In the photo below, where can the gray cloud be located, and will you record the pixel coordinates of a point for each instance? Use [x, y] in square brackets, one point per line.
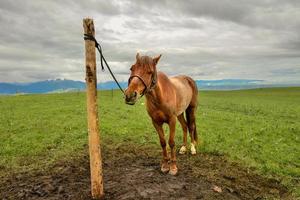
[205, 39]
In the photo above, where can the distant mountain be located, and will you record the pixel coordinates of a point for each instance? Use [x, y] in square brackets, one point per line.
[41, 86]
[63, 85]
[228, 84]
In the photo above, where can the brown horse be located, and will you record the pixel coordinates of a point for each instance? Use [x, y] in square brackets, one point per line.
[166, 100]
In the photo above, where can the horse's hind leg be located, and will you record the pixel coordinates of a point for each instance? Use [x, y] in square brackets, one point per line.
[184, 129]
[191, 121]
[191, 115]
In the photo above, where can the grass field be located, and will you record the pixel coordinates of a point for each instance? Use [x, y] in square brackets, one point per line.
[259, 128]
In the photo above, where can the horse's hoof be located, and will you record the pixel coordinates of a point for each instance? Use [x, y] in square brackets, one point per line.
[173, 171]
[173, 168]
[165, 167]
[193, 149]
[182, 150]
[164, 170]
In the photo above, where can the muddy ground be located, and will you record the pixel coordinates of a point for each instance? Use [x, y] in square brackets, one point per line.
[132, 172]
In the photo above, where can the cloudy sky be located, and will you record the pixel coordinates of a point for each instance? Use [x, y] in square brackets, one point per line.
[213, 39]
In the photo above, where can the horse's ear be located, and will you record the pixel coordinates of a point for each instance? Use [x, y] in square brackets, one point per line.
[137, 56]
[156, 59]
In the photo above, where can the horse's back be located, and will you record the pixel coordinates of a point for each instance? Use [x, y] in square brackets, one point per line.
[185, 92]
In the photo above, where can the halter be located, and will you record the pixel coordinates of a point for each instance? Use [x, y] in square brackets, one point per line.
[147, 88]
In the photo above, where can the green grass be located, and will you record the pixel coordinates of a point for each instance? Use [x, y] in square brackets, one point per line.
[259, 128]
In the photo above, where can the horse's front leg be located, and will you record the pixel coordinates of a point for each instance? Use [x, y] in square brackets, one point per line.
[172, 126]
[164, 164]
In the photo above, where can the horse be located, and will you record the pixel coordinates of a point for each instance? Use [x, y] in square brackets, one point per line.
[166, 99]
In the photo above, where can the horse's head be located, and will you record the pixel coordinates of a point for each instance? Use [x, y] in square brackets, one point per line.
[142, 79]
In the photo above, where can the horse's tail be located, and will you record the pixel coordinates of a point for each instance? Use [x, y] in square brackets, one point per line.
[191, 122]
[195, 134]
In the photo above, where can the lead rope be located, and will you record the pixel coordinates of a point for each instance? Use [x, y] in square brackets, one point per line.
[102, 59]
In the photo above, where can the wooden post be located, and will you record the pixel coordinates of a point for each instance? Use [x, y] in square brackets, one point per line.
[92, 112]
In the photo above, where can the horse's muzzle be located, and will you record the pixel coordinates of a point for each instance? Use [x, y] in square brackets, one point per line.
[131, 98]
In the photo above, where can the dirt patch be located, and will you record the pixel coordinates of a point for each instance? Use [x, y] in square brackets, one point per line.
[132, 172]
